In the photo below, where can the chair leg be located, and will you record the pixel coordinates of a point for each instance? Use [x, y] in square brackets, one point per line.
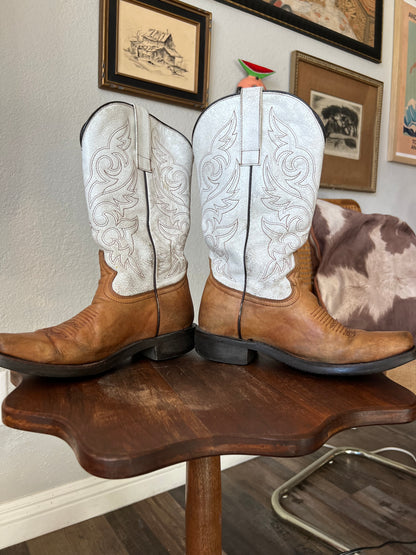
[282, 492]
[203, 506]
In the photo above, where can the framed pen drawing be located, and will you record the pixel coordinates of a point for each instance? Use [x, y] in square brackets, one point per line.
[155, 48]
[349, 105]
[353, 25]
[402, 123]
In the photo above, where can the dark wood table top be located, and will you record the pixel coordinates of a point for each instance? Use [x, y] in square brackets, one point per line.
[148, 415]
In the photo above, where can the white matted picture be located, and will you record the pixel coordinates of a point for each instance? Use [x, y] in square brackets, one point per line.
[349, 105]
[342, 123]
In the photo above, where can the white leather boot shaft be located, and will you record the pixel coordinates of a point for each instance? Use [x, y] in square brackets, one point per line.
[137, 184]
[258, 157]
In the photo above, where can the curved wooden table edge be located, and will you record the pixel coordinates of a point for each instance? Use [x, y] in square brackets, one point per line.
[119, 467]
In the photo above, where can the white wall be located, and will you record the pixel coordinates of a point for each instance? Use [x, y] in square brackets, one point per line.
[48, 88]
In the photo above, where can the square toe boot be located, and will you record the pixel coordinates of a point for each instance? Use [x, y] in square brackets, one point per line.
[258, 156]
[137, 184]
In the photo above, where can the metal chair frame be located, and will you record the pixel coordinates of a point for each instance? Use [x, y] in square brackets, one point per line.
[284, 490]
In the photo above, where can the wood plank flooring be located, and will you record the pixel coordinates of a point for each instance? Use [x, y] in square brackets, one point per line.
[357, 501]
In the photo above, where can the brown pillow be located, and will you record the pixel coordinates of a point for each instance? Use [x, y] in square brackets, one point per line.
[366, 275]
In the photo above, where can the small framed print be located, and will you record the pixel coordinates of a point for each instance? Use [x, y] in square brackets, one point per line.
[155, 48]
[349, 105]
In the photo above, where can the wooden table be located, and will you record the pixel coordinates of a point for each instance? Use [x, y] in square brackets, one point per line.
[149, 415]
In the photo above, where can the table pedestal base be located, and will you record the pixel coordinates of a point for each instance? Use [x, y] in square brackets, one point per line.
[203, 506]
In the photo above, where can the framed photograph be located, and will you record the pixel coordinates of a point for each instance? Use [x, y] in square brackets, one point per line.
[353, 25]
[402, 124]
[159, 49]
[349, 105]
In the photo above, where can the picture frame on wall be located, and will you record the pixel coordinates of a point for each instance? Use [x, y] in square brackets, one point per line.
[352, 25]
[159, 50]
[402, 123]
[349, 105]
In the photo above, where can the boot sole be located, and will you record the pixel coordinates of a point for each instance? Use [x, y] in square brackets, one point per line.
[162, 347]
[241, 352]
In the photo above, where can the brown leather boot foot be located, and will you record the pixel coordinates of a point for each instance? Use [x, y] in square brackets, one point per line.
[164, 347]
[242, 352]
[296, 331]
[106, 333]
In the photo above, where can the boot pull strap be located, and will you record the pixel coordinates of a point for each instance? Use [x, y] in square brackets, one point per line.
[251, 116]
[143, 139]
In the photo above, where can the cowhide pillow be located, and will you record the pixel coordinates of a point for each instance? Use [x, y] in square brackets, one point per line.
[366, 275]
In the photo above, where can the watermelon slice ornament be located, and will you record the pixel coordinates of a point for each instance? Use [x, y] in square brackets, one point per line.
[255, 74]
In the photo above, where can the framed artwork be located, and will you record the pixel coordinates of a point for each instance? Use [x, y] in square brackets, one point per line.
[353, 25]
[402, 124]
[349, 105]
[159, 49]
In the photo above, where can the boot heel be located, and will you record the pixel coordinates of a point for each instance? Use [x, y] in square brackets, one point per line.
[223, 349]
[171, 345]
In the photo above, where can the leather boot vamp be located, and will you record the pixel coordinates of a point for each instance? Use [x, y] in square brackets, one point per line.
[110, 323]
[98, 331]
[298, 325]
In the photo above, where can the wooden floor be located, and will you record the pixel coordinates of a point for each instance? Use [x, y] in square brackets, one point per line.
[358, 501]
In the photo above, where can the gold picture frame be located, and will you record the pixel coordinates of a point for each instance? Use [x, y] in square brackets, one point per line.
[402, 123]
[349, 105]
[158, 50]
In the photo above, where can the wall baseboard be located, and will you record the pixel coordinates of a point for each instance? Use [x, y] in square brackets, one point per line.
[29, 517]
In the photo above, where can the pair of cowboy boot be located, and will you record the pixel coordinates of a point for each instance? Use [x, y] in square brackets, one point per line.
[258, 157]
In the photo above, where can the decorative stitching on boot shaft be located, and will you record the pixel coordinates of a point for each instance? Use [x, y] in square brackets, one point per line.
[219, 176]
[137, 237]
[111, 195]
[289, 198]
[284, 189]
[170, 195]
